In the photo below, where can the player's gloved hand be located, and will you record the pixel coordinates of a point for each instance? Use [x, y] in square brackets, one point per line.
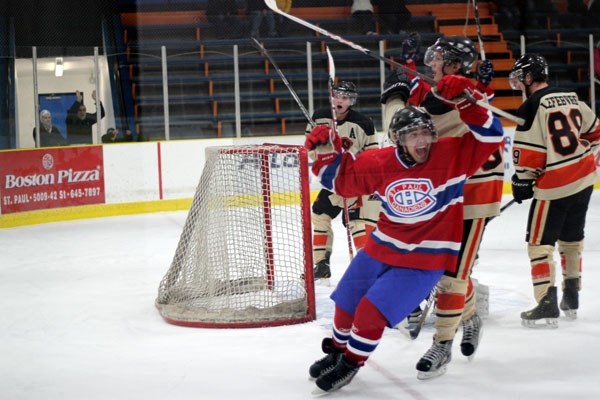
[319, 137]
[485, 72]
[410, 47]
[319, 141]
[451, 86]
[397, 84]
[522, 189]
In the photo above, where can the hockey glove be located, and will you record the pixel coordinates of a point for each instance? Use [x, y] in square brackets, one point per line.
[451, 86]
[485, 72]
[522, 189]
[319, 141]
[410, 47]
[396, 84]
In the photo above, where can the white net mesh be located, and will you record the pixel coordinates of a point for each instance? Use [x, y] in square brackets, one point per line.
[245, 247]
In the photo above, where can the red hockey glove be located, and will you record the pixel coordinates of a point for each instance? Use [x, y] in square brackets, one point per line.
[319, 136]
[451, 86]
[319, 141]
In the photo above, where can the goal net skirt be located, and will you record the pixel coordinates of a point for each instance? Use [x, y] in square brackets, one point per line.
[244, 258]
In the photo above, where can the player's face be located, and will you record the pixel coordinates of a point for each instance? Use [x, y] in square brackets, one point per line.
[418, 143]
[342, 104]
[436, 63]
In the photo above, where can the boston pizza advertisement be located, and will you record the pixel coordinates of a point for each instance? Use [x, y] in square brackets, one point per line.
[50, 178]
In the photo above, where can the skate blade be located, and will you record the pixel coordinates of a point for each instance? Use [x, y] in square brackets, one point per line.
[425, 375]
[570, 314]
[544, 323]
[472, 356]
[318, 392]
[323, 282]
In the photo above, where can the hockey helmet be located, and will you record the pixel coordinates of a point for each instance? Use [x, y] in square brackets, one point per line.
[407, 120]
[346, 88]
[533, 64]
[454, 49]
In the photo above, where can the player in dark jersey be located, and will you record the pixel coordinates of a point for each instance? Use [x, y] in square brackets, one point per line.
[420, 185]
[554, 164]
[359, 132]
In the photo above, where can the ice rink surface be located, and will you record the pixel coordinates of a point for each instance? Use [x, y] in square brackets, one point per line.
[78, 322]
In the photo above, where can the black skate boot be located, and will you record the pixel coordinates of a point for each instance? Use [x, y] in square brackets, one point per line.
[322, 270]
[328, 362]
[339, 376]
[434, 362]
[546, 312]
[472, 329]
[570, 300]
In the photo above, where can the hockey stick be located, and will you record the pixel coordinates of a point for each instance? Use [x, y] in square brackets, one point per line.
[273, 6]
[330, 84]
[414, 331]
[260, 47]
[504, 207]
[478, 23]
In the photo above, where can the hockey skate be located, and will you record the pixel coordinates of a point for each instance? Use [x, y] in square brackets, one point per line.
[326, 363]
[339, 376]
[434, 362]
[472, 332]
[570, 300]
[545, 314]
[322, 270]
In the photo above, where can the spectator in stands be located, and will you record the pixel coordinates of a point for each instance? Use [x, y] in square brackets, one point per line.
[223, 17]
[111, 136]
[79, 121]
[393, 16]
[258, 11]
[283, 24]
[592, 18]
[49, 134]
[509, 13]
[363, 17]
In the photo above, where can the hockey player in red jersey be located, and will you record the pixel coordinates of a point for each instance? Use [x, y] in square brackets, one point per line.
[455, 305]
[554, 164]
[420, 185]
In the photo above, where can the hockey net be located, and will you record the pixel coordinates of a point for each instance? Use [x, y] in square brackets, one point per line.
[244, 258]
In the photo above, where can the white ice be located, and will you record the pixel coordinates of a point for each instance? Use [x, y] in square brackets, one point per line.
[78, 322]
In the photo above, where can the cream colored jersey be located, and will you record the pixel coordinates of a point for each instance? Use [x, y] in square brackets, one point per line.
[555, 145]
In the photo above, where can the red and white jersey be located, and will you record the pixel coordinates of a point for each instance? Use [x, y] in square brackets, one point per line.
[555, 145]
[420, 223]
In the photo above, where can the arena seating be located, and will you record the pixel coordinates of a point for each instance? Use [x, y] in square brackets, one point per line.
[200, 65]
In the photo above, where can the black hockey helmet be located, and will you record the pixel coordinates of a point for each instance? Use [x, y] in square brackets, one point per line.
[346, 88]
[407, 120]
[533, 64]
[454, 49]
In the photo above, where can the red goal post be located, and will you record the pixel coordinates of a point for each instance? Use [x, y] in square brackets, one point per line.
[244, 258]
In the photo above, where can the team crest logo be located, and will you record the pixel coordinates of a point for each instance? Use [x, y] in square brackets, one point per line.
[410, 197]
[47, 161]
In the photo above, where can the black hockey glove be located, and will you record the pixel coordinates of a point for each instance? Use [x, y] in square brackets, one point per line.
[396, 84]
[410, 47]
[485, 72]
[522, 189]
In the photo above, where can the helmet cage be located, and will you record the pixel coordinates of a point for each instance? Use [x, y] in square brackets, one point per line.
[346, 88]
[454, 49]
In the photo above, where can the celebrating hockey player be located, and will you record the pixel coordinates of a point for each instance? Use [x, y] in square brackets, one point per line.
[455, 56]
[420, 185]
[359, 133]
[554, 163]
